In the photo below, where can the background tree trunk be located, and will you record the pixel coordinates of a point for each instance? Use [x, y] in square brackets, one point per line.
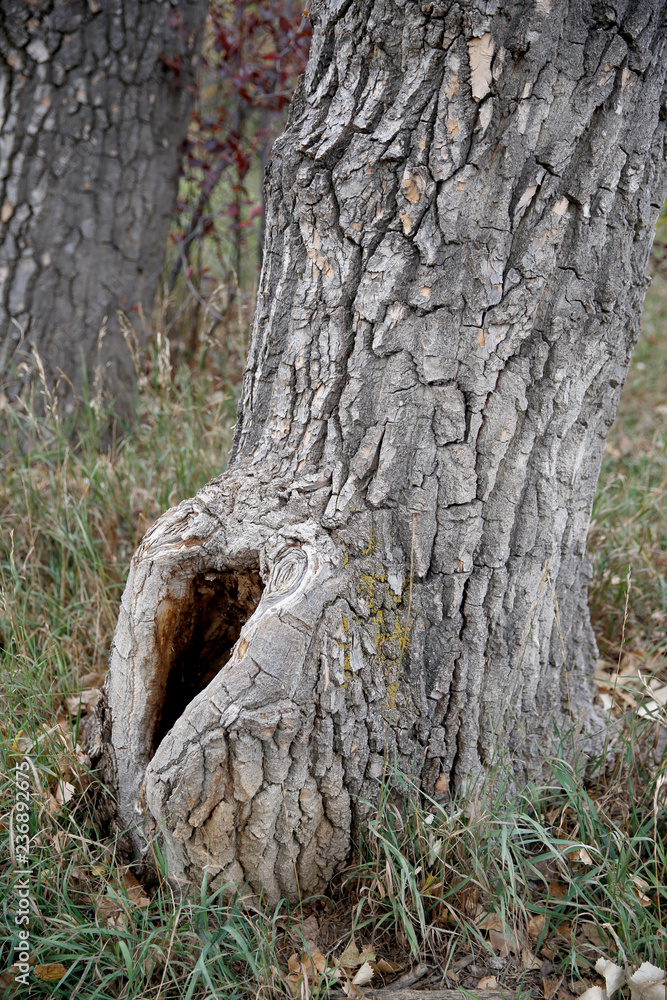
[92, 120]
[459, 218]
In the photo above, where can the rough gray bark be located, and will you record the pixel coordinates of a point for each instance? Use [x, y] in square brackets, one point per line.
[459, 218]
[91, 126]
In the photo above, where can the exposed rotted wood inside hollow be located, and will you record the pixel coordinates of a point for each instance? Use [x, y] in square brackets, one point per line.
[195, 637]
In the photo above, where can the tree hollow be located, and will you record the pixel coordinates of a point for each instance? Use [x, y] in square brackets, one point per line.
[195, 637]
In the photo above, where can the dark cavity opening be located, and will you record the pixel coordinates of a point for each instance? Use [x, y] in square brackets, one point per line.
[196, 635]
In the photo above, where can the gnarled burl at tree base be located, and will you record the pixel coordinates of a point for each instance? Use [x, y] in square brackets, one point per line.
[393, 566]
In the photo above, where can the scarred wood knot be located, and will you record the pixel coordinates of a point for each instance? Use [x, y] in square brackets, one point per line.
[287, 575]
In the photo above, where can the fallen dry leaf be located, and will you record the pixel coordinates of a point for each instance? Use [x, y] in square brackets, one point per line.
[293, 983]
[593, 993]
[109, 910]
[315, 964]
[565, 929]
[487, 983]
[501, 942]
[385, 967]
[579, 854]
[364, 974]
[638, 886]
[94, 679]
[501, 938]
[308, 971]
[65, 792]
[351, 990]
[309, 929]
[50, 973]
[63, 723]
[8, 980]
[536, 925]
[660, 695]
[550, 986]
[593, 933]
[528, 960]
[135, 890]
[590, 992]
[647, 983]
[87, 699]
[548, 867]
[613, 975]
[352, 958]
[52, 804]
[490, 922]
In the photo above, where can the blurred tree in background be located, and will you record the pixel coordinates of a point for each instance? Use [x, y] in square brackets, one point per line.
[97, 103]
[96, 99]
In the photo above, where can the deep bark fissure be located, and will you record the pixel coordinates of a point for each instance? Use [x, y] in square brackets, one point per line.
[452, 283]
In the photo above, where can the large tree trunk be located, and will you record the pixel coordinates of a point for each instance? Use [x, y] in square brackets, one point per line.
[92, 121]
[459, 218]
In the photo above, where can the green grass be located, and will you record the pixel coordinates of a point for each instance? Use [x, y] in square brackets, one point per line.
[427, 883]
[450, 867]
[424, 879]
[629, 528]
